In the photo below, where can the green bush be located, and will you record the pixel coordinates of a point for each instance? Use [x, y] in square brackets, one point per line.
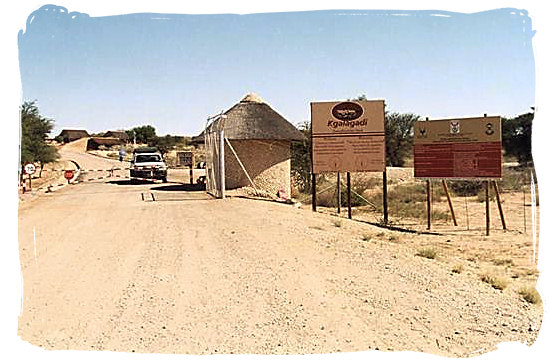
[466, 188]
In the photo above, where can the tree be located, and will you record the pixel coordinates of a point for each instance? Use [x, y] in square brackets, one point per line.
[516, 137]
[399, 137]
[131, 134]
[34, 130]
[301, 159]
[144, 134]
[163, 143]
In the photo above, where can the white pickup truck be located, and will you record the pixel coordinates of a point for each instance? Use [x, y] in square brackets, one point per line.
[147, 163]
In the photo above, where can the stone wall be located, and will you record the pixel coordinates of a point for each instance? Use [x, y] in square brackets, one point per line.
[267, 162]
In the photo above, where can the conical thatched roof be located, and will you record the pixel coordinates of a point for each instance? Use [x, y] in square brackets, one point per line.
[253, 118]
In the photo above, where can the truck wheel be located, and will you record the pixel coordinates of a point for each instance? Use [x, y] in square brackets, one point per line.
[164, 180]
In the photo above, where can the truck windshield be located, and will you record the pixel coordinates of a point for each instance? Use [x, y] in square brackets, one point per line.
[144, 158]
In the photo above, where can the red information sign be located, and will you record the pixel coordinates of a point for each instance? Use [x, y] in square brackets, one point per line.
[458, 148]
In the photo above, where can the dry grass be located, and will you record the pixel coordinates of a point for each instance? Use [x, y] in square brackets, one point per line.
[457, 268]
[319, 228]
[503, 262]
[427, 252]
[366, 237]
[494, 281]
[530, 295]
[393, 238]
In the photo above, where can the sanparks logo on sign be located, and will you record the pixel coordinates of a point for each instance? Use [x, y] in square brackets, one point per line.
[347, 115]
[347, 111]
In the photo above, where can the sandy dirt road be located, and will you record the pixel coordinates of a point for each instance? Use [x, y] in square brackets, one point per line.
[106, 267]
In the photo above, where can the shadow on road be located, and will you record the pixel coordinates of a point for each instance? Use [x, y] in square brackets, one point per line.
[180, 188]
[130, 182]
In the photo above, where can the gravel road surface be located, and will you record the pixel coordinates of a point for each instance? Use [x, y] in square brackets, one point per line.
[150, 267]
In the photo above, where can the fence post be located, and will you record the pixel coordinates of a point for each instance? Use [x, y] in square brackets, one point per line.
[221, 160]
[385, 195]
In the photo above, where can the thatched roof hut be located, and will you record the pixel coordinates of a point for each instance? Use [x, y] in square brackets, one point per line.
[253, 118]
[95, 142]
[261, 139]
[68, 135]
[120, 134]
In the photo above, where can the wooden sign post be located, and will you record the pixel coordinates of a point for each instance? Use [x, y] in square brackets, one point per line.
[385, 195]
[428, 204]
[497, 195]
[349, 193]
[487, 218]
[444, 183]
[313, 192]
[338, 192]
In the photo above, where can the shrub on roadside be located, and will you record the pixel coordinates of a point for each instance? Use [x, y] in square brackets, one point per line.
[409, 201]
[427, 252]
[366, 237]
[530, 295]
[466, 188]
[457, 268]
[503, 262]
[493, 281]
[514, 179]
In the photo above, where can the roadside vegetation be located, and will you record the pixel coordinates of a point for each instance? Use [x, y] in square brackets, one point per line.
[494, 281]
[530, 295]
[427, 252]
[408, 201]
[146, 135]
[457, 268]
[35, 129]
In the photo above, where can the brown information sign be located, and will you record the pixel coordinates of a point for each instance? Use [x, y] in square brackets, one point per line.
[348, 136]
[186, 159]
[458, 148]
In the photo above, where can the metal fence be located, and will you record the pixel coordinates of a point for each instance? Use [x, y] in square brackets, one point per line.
[407, 204]
[214, 149]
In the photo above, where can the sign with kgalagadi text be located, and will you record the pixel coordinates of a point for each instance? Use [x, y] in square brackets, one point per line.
[348, 136]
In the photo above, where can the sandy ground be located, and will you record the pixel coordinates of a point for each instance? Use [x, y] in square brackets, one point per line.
[147, 267]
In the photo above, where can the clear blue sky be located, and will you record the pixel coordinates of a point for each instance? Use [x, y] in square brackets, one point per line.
[172, 71]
